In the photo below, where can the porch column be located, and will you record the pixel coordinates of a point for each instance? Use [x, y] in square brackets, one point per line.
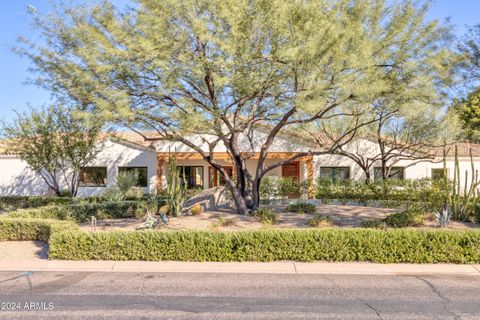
[309, 163]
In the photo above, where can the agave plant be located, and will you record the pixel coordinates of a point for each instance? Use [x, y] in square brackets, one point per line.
[444, 216]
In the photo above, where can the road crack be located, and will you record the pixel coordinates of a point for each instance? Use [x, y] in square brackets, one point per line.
[445, 301]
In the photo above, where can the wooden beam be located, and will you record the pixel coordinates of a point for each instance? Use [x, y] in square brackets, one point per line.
[225, 156]
[310, 174]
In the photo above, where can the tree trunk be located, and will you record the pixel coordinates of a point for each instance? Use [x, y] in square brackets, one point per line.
[256, 194]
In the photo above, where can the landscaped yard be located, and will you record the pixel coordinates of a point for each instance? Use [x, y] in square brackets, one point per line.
[342, 216]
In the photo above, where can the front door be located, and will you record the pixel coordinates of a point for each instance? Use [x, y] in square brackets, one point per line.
[215, 179]
[291, 170]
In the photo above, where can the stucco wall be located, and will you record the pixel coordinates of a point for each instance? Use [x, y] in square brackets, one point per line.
[17, 179]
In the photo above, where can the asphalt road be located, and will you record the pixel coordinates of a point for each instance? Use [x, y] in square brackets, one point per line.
[85, 295]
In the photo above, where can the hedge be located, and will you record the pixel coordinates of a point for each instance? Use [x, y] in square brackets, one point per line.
[49, 212]
[391, 246]
[22, 202]
[107, 210]
[32, 229]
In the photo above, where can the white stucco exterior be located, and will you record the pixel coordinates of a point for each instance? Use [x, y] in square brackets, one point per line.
[17, 179]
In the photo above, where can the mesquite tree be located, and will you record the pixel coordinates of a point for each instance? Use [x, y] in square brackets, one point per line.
[217, 69]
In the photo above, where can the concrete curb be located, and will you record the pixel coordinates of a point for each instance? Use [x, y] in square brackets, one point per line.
[283, 267]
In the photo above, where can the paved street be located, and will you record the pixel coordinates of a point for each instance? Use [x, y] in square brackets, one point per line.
[86, 295]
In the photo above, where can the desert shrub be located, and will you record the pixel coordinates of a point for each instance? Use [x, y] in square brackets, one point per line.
[320, 221]
[373, 223]
[23, 202]
[222, 222]
[301, 208]
[134, 193]
[408, 218]
[279, 187]
[113, 194]
[196, 210]
[380, 246]
[418, 190]
[108, 210]
[265, 216]
[18, 229]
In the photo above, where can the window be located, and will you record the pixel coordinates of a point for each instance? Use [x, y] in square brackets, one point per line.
[335, 173]
[93, 177]
[437, 174]
[140, 172]
[395, 173]
[193, 176]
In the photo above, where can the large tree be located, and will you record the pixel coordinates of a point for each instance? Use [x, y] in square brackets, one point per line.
[216, 69]
[55, 143]
[400, 132]
[468, 112]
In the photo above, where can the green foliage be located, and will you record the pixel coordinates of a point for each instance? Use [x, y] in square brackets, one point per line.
[301, 208]
[125, 188]
[391, 246]
[468, 110]
[22, 202]
[55, 143]
[108, 210]
[15, 229]
[265, 216]
[409, 218]
[320, 221]
[203, 66]
[50, 212]
[176, 188]
[374, 223]
[418, 190]
[279, 188]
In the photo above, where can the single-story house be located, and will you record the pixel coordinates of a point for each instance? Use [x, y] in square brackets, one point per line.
[124, 151]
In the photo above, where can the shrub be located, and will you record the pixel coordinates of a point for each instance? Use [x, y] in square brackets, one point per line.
[320, 221]
[373, 223]
[265, 216]
[50, 212]
[418, 190]
[222, 222]
[134, 193]
[113, 194]
[405, 219]
[21, 202]
[108, 210]
[279, 187]
[15, 229]
[381, 246]
[196, 210]
[301, 208]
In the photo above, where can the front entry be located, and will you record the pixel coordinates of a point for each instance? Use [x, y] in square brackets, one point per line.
[291, 170]
[215, 179]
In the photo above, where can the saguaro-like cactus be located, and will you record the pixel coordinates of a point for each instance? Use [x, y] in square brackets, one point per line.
[463, 201]
[176, 190]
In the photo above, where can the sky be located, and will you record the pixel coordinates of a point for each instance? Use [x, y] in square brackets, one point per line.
[15, 94]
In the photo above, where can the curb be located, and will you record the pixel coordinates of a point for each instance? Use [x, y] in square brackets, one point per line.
[284, 267]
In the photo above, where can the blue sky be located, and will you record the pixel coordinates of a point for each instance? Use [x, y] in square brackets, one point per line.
[15, 95]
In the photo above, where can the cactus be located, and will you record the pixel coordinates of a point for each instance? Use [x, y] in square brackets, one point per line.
[461, 201]
[176, 190]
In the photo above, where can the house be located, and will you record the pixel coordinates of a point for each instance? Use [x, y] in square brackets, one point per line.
[128, 151]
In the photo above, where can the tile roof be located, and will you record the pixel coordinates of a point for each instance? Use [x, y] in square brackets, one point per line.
[463, 150]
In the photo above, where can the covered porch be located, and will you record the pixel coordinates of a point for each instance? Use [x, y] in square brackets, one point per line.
[200, 174]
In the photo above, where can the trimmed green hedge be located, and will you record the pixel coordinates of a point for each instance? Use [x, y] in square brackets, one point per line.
[391, 246]
[49, 212]
[32, 229]
[22, 202]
